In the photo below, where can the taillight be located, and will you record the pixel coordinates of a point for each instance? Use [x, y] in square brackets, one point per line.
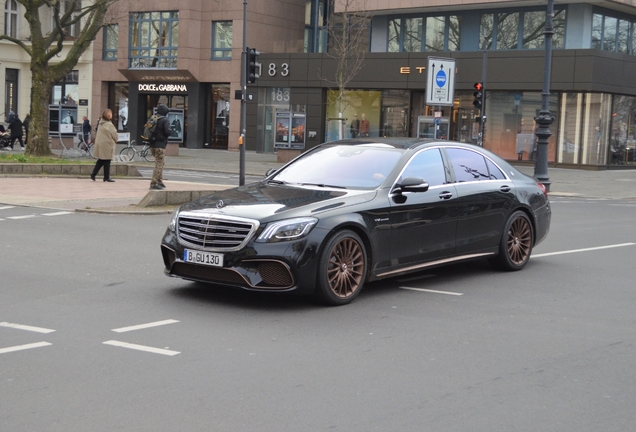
[543, 189]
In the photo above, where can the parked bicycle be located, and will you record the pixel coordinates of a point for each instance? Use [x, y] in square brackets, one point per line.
[130, 151]
[85, 149]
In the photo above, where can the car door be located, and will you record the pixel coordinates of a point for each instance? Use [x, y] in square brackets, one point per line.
[485, 197]
[423, 224]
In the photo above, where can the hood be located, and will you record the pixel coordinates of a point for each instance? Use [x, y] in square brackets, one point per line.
[162, 110]
[264, 201]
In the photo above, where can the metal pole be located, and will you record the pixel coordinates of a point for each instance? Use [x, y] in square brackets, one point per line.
[482, 110]
[545, 119]
[243, 99]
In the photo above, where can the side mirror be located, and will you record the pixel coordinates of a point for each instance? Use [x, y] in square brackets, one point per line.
[411, 184]
[270, 172]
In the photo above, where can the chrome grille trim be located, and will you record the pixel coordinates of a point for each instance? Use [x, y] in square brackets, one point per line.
[214, 232]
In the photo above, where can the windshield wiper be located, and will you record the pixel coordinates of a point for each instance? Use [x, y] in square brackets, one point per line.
[323, 185]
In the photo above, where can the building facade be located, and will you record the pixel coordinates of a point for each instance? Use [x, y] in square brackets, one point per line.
[74, 91]
[187, 55]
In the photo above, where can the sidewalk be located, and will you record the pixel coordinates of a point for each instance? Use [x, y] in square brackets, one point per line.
[82, 194]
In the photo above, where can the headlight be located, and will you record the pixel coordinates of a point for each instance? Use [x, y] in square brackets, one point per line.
[290, 229]
[172, 226]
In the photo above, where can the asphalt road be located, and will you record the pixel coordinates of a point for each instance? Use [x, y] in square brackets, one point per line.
[93, 337]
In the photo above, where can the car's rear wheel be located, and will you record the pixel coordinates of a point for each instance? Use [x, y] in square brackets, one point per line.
[515, 246]
[341, 269]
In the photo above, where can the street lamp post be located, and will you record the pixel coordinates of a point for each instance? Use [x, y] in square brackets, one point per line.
[243, 126]
[545, 119]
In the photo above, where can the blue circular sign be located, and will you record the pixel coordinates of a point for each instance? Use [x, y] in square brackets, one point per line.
[440, 78]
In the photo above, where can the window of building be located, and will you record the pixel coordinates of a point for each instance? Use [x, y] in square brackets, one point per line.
[432, 33]
[154, 40]
[520, 30]
[11, 18]
[613, 33]
[222, 40]
[66, 92]
[71, 23]
[316, 25]
[111, 40]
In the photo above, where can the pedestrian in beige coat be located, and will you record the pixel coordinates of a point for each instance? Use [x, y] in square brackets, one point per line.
[105, 142]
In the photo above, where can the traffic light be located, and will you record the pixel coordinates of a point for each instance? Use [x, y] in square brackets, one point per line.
[478, 94]
[253, 67]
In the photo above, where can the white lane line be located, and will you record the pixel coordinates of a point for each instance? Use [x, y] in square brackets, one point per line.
[582, 250]
[24, 347]
[57, 213]
[431, 291]
[144, 326]
[22, 217]
[6, 207]
[26, 327]
[142, 348]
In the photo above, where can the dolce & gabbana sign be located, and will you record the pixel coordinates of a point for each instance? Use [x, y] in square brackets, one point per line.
[163, 88]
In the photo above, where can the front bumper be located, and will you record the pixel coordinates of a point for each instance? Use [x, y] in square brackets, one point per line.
[274, 267]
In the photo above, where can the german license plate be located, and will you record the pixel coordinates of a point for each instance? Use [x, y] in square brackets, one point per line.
[205, 258]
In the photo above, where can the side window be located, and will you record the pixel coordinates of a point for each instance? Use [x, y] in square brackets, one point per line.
[495, 173]
[468, 165]
[427, 165]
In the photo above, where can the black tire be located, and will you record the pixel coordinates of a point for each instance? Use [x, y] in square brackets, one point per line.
[516, 243]
[341, 269]
[148, 155]
[128, 151]
[91, 147]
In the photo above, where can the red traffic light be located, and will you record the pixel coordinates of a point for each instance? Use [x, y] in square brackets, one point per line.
[479, 86]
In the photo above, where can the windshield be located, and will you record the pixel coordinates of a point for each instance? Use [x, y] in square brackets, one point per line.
[342, 166]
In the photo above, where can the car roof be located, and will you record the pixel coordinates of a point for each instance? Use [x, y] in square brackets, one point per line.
[402, 143]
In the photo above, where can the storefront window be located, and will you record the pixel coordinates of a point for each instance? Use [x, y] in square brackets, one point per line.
[118, 101]
[66, 92]
[395, 113]
[220, 113]
[570, 139]
[510, 129]
[360, 111]
[597, 114]
[623, 135]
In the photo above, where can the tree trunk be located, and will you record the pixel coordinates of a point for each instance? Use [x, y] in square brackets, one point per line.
[38, 144]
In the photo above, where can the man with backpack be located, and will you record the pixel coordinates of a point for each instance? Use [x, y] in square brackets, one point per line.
[158, 139]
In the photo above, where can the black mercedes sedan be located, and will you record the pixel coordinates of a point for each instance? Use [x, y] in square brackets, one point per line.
[359, 210]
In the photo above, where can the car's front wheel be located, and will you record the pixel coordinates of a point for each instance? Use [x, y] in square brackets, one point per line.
[341, 269]
[515, 246]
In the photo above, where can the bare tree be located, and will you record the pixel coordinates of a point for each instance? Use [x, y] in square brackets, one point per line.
[348, 31]
[88, 17]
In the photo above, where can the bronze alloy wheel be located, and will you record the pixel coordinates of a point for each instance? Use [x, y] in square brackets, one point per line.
[519, 240]
[342, 268]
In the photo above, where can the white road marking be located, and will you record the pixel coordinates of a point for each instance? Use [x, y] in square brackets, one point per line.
[144, 326]
[431, 291]
[582, 250]
[26, 327]
[142, 348]
[57, 213]
[24, 347]
[6, 207]
[22, 217]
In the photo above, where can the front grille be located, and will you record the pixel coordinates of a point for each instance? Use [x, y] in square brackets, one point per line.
[214, 232]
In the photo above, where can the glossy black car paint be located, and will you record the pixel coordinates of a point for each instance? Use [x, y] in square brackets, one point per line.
[452, 221]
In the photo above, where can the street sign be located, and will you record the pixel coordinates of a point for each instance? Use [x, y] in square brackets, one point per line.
[440, 81]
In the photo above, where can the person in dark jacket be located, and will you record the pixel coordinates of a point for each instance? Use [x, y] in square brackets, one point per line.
[16, 131]
[158, 146]
[25, 123]
[86, 130]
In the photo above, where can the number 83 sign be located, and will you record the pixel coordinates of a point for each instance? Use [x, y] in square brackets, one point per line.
[273, 69]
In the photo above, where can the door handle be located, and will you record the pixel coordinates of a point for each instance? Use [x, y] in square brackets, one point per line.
[505, 189]
[445, 195]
